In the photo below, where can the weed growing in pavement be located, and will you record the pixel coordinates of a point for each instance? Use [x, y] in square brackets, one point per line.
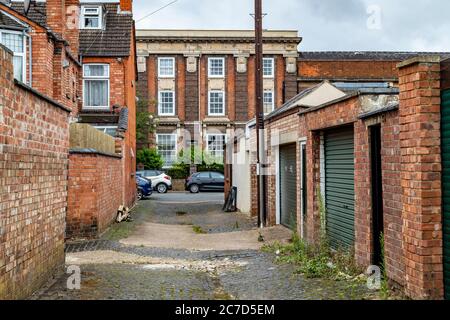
[318, 260]
[198, 230]
[384, 290]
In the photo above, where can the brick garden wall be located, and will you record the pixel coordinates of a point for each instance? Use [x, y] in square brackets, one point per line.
[95, 193]
[421, 175]
[34, 144]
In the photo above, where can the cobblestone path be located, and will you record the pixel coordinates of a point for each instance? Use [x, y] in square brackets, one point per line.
[112, 269]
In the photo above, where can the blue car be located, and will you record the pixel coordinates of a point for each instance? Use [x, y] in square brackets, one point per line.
[144, 188]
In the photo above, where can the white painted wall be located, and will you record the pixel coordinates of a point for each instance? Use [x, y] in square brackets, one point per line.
[241, 176]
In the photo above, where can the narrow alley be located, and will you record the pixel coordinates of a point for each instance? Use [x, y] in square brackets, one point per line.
[182, 246]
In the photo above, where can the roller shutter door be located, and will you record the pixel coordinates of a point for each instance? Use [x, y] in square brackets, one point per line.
[446, 186]
[340, 187]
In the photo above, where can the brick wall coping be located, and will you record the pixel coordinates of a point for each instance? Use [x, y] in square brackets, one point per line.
[421, 59]
[370, 114]
[366, 91]
[344, 98]
[94, 152]
[42, 96]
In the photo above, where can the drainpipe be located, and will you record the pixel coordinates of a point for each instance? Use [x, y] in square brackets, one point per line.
[30, 55]
[199, 66]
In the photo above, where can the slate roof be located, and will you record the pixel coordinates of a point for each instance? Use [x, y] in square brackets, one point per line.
[114, 40]
[290, 104]
[366, 55]
[5, 20]
[37, 11]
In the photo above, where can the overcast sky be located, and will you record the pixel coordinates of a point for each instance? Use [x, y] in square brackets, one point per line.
[409, 25]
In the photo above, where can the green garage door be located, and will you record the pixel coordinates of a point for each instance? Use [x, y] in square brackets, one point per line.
[340, 187]
[288, 186]
[446, 186]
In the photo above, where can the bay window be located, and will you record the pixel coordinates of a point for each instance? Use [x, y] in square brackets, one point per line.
[96, 86]
[15, 41]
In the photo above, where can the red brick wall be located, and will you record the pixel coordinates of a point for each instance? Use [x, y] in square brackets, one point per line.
[347, 69]
[123, 93]
[34, 143]
[95, 194]
[421, 174]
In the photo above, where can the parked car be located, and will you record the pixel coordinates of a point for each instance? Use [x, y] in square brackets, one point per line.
[161, 182]
[144, 188]
[205, 181]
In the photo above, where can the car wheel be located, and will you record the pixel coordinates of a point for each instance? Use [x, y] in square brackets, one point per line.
[194, 188]
[139, 195]
[161, 188]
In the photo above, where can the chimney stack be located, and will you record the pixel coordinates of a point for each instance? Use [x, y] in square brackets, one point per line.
[126, 5]
[72, 15]
[56, 16]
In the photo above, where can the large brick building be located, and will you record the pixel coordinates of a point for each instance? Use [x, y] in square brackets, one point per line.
[200, 84]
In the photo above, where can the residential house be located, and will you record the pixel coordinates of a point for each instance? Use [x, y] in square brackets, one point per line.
[200, 83]
[108, 81]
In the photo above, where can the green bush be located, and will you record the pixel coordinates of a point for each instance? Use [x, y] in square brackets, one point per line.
[179, 171]
[150, 158]
[217, 167]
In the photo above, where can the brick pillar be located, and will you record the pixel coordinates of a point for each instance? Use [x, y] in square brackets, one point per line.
[421, 176]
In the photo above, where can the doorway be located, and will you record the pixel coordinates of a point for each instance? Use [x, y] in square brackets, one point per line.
[303, 187]
[377, 195]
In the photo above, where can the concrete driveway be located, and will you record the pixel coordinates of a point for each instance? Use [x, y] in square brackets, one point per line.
[187, 197]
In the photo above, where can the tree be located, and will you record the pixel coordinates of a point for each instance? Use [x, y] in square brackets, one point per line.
[150, 158]
[146, 122]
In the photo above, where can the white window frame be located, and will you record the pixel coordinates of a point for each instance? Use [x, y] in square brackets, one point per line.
[84, 14]
[272, 75]
[273, 100]
[159, 103]
[176, 145]
[216, 134]
[173, 67]
[209, 103]
[210, 59]
[97, 78]
[19, 54]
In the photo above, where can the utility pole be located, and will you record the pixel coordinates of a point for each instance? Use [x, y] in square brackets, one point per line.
[260, 141]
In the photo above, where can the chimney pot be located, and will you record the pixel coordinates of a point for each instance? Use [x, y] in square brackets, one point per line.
[126, 5]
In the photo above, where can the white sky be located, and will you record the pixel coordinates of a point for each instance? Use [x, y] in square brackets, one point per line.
[409, 25]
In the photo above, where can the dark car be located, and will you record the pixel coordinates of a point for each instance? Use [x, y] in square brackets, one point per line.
[205, 181]
[144, 188]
